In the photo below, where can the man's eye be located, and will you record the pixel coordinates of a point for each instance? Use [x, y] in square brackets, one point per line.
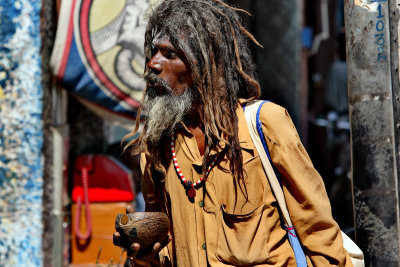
[154, 50]
[170, 55]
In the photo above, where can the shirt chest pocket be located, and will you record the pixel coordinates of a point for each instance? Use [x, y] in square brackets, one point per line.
[242, 239]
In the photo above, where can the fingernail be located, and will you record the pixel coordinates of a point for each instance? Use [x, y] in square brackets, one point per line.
[156, 246]
[133, 249]
[136, 247]
[129, 209]
[116, 237]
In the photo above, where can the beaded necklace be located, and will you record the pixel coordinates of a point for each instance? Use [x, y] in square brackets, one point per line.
[189, 186]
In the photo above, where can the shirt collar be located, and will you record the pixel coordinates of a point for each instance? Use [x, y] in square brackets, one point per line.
[243, 129]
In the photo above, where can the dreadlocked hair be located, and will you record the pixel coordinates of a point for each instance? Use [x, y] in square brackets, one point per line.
[214, 42]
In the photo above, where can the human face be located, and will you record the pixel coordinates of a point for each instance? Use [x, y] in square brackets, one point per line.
[171, 66]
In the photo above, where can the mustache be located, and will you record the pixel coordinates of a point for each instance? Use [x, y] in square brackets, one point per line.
[153, 81]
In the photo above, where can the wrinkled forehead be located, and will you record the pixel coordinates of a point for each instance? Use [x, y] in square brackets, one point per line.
[181, 41]
[178, 40]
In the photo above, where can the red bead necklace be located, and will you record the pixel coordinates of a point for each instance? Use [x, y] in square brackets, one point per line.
[190, 187]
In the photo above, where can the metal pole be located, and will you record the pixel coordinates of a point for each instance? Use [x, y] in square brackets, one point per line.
[60, 132]
[47, 32]
[373, 79]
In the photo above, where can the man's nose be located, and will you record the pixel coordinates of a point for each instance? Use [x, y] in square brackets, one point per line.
[155, 63]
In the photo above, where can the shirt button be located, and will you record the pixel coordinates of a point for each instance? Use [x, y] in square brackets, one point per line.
[201, 204]
[203, 246]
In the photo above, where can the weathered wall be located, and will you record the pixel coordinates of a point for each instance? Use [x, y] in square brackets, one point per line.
[373, 73]
[21, 141]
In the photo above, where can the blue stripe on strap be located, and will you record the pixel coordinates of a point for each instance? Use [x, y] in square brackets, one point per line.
[263, 141]
[260, 131]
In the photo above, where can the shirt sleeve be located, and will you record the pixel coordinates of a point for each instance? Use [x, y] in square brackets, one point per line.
[304, 190]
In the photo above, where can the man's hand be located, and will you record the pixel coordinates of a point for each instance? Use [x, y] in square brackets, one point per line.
[133, 249]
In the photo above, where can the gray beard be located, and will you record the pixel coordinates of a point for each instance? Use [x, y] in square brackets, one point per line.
[164, 113]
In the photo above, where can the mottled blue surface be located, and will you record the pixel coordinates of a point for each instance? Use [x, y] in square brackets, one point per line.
[21, 135]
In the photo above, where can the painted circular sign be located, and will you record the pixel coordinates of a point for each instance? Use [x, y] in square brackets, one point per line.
[110, 42]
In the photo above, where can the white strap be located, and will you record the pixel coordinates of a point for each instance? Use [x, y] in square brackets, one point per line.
[251, 118]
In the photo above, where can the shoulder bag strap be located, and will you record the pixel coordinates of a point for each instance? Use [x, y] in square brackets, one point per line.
[252, 114]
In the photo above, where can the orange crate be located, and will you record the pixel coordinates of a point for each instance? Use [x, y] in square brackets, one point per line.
[103, 220]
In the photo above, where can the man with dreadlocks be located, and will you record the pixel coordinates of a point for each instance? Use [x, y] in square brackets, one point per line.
[198, 161]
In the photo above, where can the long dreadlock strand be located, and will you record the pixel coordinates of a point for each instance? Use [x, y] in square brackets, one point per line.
[231, 7]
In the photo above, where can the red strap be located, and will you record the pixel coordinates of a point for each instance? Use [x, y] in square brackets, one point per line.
[85, 184]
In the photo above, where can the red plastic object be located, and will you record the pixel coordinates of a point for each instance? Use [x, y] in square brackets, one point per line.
[108, 180]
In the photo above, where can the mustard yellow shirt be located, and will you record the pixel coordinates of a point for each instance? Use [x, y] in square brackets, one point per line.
[220, 228]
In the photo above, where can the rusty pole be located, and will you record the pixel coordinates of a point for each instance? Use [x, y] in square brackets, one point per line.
[372, 29]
